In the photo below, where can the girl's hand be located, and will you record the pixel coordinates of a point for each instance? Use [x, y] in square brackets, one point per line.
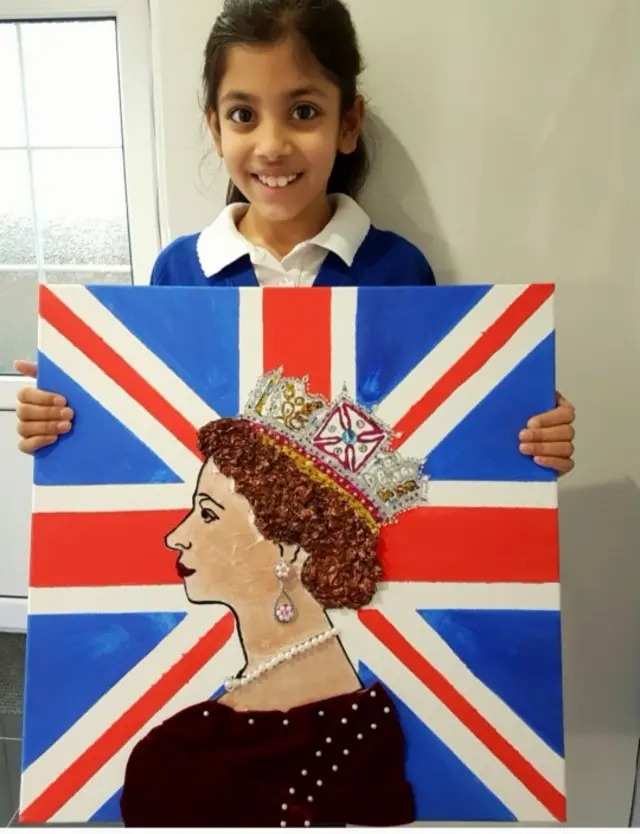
[549, 437]
[42, 416]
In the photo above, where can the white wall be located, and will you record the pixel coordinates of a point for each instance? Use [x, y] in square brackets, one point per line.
[507, 149]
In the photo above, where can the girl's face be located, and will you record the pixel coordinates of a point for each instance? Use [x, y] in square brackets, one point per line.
[278, 128]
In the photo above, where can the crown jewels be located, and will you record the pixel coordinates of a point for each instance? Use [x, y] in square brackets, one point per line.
[341, 444]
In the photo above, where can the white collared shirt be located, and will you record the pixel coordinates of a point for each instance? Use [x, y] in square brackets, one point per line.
[220, 244]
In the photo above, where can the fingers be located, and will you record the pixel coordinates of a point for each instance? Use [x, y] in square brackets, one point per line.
[42, 418]
[35, 396]
[43, 413]
[562, 415]
[561, 465]
[33, 428]
[22, 366]
[553, 434]
[547, 450]
[32, 444]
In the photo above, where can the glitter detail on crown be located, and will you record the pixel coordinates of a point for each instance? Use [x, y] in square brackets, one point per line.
[340, 443]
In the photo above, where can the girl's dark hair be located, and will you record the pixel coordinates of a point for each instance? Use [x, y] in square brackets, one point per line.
[342, 569]
[326, 28]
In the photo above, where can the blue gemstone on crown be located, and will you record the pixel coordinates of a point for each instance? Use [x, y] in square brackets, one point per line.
[349, 436]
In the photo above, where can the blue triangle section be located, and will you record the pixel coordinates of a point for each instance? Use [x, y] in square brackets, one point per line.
[98, 449]
[517, 654]
[193, 330]
[110, 811]
[73, 660]
[484, 446]
[394, 334]
[444, 788]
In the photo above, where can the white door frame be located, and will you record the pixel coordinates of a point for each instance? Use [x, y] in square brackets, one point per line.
[135, 66]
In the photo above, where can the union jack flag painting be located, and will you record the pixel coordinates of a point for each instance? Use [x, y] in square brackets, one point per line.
[464, 631]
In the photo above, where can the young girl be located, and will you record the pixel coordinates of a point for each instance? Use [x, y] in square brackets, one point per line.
[282, 106]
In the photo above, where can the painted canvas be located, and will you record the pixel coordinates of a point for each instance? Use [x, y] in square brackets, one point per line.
[290, 568]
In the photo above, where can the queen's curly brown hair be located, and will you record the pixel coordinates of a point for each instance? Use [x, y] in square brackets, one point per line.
[342, 569]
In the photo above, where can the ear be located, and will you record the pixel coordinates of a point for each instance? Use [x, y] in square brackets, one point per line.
[291, 553]
[352, 127]
[213, 123]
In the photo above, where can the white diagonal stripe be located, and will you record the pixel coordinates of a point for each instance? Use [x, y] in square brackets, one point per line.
[464, 399]
[109, 779]
[251, 342]
[114, 333]
[510, 726]
[448, 351]
[391, 596]
[123, 407]
[113, 704]
[344, 304]
[439, 596]
[98, 498]
[362, 645]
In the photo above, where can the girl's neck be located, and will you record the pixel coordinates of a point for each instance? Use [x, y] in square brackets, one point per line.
[281, 238]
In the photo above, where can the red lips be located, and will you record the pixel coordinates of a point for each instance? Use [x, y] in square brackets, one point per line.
[183, 570]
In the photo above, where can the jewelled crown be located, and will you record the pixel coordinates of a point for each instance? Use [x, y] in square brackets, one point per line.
[341, 444]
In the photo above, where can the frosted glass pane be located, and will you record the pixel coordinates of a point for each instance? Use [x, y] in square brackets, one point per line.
[71, 73]
[11, 115]
[88, 277]
[18, 318]
[16, 224]
[80, 198]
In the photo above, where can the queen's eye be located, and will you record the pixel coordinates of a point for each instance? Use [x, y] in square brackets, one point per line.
[208, 515]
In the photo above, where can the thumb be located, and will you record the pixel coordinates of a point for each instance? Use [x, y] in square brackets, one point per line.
[26, 368]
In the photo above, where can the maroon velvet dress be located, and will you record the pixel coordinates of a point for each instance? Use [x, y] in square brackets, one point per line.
[333, 763]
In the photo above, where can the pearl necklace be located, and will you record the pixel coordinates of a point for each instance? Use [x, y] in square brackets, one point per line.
[278, 659]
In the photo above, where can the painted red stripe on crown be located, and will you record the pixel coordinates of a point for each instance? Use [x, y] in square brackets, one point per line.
[65, 321]
[297, 334]
[494, 337]
[58, 793]
[431, 544]
[444, 690]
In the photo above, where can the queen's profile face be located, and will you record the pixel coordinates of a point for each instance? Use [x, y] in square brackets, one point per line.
[220, 551]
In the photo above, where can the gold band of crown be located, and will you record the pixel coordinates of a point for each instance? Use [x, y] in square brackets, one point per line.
[308, 467]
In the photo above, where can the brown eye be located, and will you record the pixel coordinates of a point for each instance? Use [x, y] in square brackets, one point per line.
[305, 112]
[241, 115]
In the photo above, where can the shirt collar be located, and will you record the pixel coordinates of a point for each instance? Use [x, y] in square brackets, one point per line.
[221, 244]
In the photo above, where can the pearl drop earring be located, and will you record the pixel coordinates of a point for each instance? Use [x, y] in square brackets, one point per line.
[284, 610]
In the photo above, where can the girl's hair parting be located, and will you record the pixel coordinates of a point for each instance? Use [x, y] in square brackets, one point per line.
[326, 28]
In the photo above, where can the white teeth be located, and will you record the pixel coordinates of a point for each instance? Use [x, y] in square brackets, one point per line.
[277, 182]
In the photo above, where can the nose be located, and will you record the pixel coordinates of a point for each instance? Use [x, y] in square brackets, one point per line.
[178, 539]
[273, 140]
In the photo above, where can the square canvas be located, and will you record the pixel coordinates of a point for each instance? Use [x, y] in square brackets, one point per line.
[289, 565]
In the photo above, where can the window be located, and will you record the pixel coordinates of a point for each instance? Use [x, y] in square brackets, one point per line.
[77, 195]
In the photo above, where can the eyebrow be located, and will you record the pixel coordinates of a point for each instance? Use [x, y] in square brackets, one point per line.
[247, 98]
[209, 498]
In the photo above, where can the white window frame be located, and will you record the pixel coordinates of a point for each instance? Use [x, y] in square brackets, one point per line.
[138, 129]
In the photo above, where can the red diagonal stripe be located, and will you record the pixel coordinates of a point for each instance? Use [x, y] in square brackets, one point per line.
[495, 337]
[66, 322]
[472, 544]
[418, 665]
[60, 791]
[297, 334]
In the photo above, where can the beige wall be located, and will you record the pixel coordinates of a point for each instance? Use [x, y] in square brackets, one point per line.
[508, 134]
